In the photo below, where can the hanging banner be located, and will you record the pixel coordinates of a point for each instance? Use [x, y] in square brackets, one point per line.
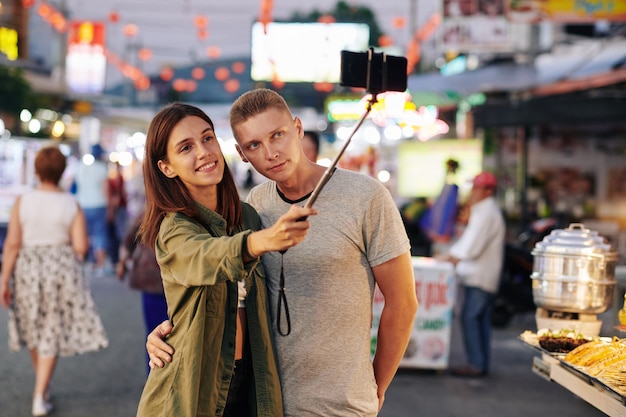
[565, 11]
[475, 25]
[85, 60]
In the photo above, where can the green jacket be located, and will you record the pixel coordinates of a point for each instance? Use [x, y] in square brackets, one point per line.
[200, 274]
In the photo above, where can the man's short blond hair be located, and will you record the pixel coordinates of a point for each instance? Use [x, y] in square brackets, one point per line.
[253, 102]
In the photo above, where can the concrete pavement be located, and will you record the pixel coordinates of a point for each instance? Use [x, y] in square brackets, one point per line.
[108, 383]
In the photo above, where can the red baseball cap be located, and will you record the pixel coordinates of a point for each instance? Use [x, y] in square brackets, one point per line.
[485, 179]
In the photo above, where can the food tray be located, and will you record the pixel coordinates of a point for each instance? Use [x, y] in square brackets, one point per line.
[533, 343]
[531, 340]
[598, 383]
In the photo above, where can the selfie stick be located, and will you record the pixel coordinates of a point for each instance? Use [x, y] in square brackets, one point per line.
[329, 171]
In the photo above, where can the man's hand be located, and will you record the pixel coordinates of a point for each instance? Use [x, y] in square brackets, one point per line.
[159, 351]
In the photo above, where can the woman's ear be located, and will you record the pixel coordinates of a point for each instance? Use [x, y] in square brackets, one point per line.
[166, 170]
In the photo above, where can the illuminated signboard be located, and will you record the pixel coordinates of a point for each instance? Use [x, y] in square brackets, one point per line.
[574, 11]
[304, 52]
[85, 61]
[421, 165]
[8, 43]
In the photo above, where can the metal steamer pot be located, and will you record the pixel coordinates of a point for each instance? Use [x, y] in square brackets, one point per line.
[574, 271]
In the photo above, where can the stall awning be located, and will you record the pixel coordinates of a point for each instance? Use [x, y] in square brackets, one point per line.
[565, 69]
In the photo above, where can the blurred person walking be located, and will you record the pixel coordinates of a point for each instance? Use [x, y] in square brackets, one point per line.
[51, 310]
[478, 257]
[117, 213]
[208, 245]
[92, 192]
[439, 220]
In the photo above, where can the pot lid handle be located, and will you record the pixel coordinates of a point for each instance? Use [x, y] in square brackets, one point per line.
[574, 226]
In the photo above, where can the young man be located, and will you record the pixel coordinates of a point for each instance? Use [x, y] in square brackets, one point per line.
[356, 242]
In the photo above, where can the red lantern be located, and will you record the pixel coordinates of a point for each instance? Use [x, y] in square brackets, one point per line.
[323, 87]
[278, 83]
[114, 17]
[179, 85]
[142, 83]
[385, 40]
[238, 67]
[200, 21]
[265, 16]
[44, 10]
[130, 30]
[399, 22]
[28, 3]
[58, 22]
[144, 54]
[198, 73]
[191, 86]
[231, 85]
[222, 74]
[167, 73]
[326, 19]
[203, 34]
[213, 52]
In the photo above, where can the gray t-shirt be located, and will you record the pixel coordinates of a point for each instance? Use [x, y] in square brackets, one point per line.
[325, 363]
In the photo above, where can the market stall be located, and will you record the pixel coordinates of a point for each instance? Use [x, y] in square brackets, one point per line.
[597, 391]
[429, 346]
[573, 281]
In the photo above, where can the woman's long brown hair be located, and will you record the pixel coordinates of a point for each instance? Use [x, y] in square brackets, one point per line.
[165, 194]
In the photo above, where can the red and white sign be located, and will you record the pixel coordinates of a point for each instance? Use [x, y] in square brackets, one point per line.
[429, 346]
[85, 61]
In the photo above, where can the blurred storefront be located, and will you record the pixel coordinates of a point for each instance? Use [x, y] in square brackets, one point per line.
[555, 131]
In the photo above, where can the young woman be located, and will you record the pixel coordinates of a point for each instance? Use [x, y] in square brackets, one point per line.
[207, 244]
[51, 310]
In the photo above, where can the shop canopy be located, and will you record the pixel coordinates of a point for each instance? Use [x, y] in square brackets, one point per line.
[583, 82]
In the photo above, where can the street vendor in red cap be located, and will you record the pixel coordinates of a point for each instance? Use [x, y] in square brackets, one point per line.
[477, 256]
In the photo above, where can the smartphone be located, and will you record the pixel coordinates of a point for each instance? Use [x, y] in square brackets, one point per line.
[375, 71]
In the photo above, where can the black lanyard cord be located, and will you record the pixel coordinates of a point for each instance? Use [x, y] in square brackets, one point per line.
[282, 299]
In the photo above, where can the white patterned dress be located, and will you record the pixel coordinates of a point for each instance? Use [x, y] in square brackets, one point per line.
[52, 310]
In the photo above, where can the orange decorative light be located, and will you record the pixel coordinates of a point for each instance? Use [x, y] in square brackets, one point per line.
[399, 22]
[238, 67]
[167, 74]
[44, 10]
[413, 53]
[265, 16]
[278, 83]
[142, 83]
[179, 85]
[203, 34]
[213, 52]
[222, 74]
[198, 73]
[326, 19]
[385, 40]
[144, 54]
[232, 85]
[324, 87]
[191, 86]
[200, 21]
[57, 20]
[130, 30]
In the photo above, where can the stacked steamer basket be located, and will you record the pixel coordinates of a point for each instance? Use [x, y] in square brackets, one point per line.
[573, 279]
